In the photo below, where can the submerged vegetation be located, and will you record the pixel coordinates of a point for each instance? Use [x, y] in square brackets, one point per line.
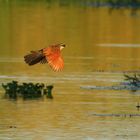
[27, 90]
[131, 82]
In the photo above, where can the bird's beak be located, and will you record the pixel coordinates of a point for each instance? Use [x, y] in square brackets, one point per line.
[62, 46]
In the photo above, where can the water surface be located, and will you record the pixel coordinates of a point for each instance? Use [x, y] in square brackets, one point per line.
[102, 44]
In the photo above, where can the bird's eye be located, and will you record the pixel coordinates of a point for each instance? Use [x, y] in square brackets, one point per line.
[62, 45]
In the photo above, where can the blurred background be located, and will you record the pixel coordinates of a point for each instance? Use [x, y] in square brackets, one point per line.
[102, 38]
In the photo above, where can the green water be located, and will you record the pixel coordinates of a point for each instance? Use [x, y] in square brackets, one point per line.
[101, 44]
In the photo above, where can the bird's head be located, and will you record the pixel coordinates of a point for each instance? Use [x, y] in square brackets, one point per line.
[59, 46]
[53, 56]
[62, 46]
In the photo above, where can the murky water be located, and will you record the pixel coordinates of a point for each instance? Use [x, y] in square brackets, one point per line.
[101, 45]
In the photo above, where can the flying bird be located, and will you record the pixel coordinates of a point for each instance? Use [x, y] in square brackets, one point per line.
[50, 55]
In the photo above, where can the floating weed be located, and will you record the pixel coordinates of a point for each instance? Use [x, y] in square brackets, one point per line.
[49, 92]
[27, 90]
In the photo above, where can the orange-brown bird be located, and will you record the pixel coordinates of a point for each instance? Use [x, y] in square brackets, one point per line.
[50, 55]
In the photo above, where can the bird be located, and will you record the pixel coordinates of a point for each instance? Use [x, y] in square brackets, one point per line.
[50, 55]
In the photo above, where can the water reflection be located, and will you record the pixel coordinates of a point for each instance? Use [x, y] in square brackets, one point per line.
[30, 26]
[36, 28]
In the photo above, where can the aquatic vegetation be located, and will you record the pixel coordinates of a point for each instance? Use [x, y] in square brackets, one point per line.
[131, 83]
[49, 93]
[27, 90]
[133, 80]
[11, 89]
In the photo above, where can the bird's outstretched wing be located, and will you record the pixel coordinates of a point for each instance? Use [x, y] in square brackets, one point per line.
[56, 64]
[54, 59]
[51, 55]
[35, 57]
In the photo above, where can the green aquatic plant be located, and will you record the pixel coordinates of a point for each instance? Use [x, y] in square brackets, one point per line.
[27, 90]
[49, 91]
[11, 89]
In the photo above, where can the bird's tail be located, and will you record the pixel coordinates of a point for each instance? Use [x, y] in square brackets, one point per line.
[33, 58]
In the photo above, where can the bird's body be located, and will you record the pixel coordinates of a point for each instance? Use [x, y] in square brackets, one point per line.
[50, 55]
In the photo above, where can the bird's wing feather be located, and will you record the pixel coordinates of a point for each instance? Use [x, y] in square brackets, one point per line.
[56, 64]
[34, 57]
[54, 60]
[43, 61]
